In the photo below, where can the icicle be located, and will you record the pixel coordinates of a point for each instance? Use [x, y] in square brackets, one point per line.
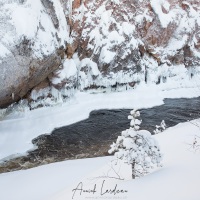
[13, 96]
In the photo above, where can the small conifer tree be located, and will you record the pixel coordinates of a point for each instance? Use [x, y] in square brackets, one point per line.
[137, 147]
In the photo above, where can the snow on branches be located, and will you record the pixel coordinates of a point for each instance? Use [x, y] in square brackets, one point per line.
[137, 147]
[160, 128]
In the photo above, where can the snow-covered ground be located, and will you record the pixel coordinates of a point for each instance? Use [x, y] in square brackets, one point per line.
[178, 179]
[19, 128]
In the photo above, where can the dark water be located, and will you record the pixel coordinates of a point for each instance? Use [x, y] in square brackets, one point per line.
[93, 136]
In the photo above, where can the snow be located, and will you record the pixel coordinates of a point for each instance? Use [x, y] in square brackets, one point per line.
[70, 67]
[43, 182]
[31, 20]
[128, 28]
[106, 56]
[22, 16]
[3, 51]
[115, 37]
[101, 40]
[69, 70]
[178, 179]
[91, 65]
[165, 19]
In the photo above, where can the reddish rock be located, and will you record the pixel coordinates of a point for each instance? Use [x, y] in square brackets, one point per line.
[76, 4]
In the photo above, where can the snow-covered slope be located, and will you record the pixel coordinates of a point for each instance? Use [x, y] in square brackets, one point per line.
[178, 179]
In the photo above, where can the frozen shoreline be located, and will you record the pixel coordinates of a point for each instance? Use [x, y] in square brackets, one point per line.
[18, 130]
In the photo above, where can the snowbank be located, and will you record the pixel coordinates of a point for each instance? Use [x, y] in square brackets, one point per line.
[178, 179]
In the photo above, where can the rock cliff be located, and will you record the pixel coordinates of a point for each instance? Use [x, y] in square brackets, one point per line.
[51, 48]
[33, 38]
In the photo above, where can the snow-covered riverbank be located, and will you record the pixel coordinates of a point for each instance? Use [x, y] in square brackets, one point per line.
[178, 179]
[19, 128]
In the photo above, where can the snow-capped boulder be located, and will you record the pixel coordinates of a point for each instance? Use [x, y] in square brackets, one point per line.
[33, 37]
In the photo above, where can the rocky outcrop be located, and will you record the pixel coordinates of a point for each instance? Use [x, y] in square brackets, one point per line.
[24, 74]
[33, 36]
[110, 43]
[134, 37]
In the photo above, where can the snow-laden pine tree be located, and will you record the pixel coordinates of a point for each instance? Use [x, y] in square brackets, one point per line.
[160, 128]
[137, 147]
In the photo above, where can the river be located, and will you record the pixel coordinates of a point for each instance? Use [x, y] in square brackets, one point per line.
[93, 136]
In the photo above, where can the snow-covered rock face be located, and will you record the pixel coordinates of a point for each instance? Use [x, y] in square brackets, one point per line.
[33, 36]
[130, 39]
[110, 43]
